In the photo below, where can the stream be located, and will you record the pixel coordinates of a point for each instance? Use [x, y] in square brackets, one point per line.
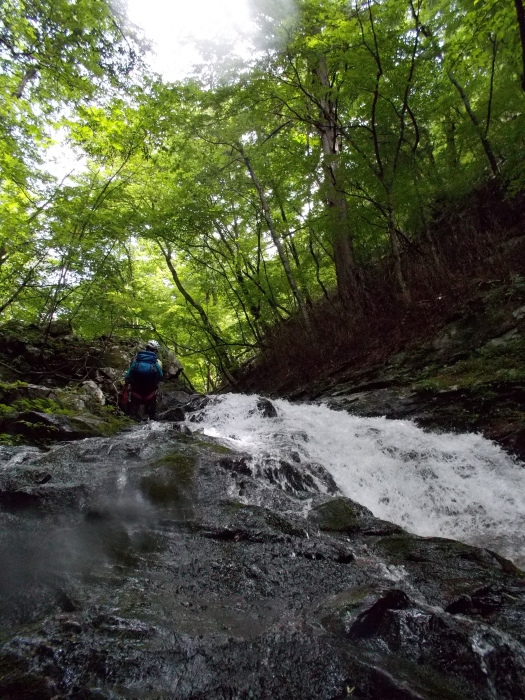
[262, 549]
[459, 486]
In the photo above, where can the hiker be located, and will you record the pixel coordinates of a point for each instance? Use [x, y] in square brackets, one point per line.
[142, 380]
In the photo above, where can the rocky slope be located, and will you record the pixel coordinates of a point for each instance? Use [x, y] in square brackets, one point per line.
[56, 386]
[159, 564]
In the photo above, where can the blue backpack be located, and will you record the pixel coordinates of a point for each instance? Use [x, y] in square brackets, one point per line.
[145, 367]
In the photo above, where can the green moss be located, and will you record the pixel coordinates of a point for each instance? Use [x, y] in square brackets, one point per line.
[6, 411]
[218, 449]
[489, 365]
[183, 465]
[10, 440]
[233, 506]
[113, 420]
[398, 548]
[171, 479]
[8, 386]
[338, 515]
[42, 405]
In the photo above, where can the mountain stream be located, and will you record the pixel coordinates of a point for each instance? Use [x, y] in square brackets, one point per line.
[459, 486]
[262, 549]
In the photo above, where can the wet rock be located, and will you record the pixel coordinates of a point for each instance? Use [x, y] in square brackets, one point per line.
[344, 515]
[484, 602]
[369, 622]
[398, 630]
[162, 581]
[174, 398]
[295, 477]
[266, 408]
[322, 550]
[237, 465]
[48, 426]
[176, 413]
[196, 402]
[390, 402]
[94, 392]
[263, 520]
[44, 497]
[169, 481]
[288, 476]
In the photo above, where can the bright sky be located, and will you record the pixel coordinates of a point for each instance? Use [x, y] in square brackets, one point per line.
[175, 25]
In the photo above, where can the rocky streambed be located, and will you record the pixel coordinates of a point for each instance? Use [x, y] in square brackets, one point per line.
[161, 563]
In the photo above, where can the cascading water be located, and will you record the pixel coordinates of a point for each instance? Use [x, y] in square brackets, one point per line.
[433, 484]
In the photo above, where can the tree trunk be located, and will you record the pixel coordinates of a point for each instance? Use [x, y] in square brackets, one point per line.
[222, 355]
[520, 12]
[276, 240]
[342, 240]
[394, 242]
[475, 121]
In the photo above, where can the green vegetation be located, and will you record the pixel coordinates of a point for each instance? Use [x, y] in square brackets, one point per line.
[11, 440]
[491, 364]
[14, 418]
[212, 211]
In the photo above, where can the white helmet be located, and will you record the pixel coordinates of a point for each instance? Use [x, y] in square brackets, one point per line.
[152, 345]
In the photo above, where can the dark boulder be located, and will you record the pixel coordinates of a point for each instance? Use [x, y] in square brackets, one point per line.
[175, 413]
[346, 516]
[37, 425]
[266, 408]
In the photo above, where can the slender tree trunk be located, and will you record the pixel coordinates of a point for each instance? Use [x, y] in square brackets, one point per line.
[452, 154]
[222, 355]
[396, 251]
[381, 171]
[276, 240]
[520, 12]
[475, 121]
[466, 102]
[25, 282]
[29, 75]
[342, 237]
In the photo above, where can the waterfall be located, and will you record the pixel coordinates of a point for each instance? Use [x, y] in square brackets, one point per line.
[459, 486]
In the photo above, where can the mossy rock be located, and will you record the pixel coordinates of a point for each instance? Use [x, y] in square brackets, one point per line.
[42, 426]
[216, 447]
[481, 370]
[447, 557]
[38, 425]
[170, 480]
[10, 391]
[340, 515]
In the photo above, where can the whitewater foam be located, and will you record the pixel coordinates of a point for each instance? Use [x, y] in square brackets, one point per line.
[461, 486]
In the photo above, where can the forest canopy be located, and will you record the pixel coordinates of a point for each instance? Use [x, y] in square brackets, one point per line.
[213, 209]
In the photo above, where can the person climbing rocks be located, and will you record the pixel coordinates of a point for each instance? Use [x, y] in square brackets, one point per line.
[142, 380]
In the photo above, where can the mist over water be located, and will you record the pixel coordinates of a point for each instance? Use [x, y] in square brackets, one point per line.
[459, 486]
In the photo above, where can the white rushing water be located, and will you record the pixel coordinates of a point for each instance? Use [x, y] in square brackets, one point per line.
[448, 485]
